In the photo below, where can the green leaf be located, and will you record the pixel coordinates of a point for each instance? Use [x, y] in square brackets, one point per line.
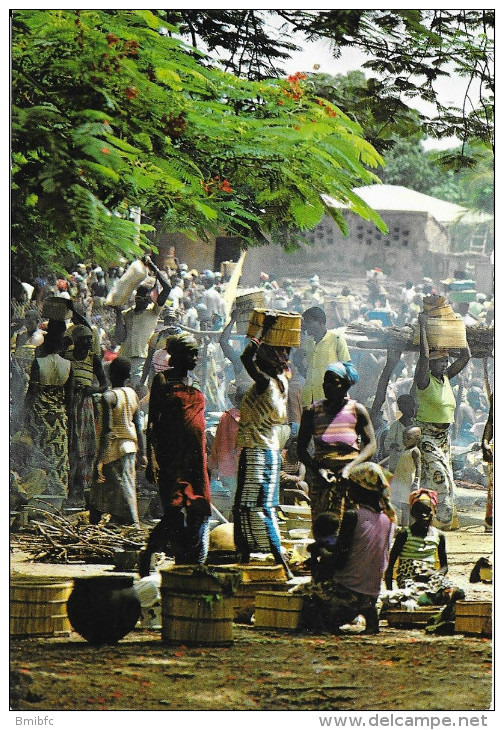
[169, 77]
[102, 171]
[208, 212]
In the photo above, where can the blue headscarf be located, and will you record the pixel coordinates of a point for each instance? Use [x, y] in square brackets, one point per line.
[345, 371]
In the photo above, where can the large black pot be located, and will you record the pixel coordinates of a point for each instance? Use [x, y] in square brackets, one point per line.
[103, 609]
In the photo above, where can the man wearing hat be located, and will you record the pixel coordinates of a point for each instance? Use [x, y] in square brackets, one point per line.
[314, 295]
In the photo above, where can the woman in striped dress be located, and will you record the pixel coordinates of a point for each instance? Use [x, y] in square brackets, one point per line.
[343, 436]
[81, 428]
[263, 412]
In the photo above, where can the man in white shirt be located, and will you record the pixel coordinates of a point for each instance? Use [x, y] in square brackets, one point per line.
[176, 292]
[134, 326]
[213, 301]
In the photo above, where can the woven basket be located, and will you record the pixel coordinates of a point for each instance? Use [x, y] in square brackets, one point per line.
[444, 311]
[286, 332]
[278, 610]
[245, 304]
[474, 618]
[38, 606]
[443, 333]
[196, 619]
[227, 268]
[56, 308]
[401, 619]
[244, 600]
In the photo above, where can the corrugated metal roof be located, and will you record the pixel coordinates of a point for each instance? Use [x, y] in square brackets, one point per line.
[397, 197]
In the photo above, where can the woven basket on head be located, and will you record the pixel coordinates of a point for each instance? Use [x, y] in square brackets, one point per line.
[245, 303]
[286, 332]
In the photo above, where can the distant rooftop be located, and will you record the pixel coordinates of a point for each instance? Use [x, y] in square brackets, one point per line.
[397, 197]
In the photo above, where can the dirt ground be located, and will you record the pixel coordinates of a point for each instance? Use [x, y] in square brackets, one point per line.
[263, 670]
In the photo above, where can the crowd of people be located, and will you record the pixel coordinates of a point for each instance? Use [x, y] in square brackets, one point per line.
[163, 390]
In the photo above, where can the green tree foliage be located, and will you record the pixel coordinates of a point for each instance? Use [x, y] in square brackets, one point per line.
[362, 99]
[111, 110]
[408, 164]
[476, 182]
[241, 38]
[410, 50]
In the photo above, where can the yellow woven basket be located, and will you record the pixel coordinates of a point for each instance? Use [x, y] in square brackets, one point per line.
[443, 333]
[38, 606]
[278, 610]
[286, 332]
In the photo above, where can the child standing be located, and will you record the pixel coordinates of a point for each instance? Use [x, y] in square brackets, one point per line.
[121, 443]
[393, 442]
[293, 487]
[224, 453]
[407, 474]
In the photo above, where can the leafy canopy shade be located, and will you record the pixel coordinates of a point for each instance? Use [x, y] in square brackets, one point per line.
[111, 110]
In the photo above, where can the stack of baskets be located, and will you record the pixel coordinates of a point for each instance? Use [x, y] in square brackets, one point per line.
[462, 290]
[444, 328]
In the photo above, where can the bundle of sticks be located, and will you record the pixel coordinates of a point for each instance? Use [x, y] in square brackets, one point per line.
[56, 539]
[480, 338]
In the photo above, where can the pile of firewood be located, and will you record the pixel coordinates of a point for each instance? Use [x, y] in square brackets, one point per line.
[57, 539]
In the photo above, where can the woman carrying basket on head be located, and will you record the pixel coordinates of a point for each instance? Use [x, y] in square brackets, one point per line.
[263, 413]
[435, 415]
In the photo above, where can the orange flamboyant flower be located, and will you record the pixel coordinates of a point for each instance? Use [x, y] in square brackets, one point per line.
[131, 92]
[105, 150]
[294, 78]
[225, 187]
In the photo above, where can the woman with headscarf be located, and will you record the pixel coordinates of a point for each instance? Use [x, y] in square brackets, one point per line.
[177, 460]
[420, 550]
[349, 556]
[343, 437]
[86, 366]
[262, 432]
[47, 405]
[435, 415]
